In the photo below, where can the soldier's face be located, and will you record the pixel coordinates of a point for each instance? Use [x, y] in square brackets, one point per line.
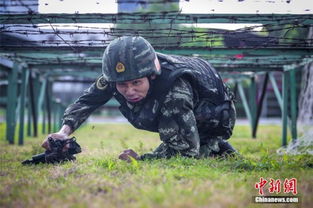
[134, 90]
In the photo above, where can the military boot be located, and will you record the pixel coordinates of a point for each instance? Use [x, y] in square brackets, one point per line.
[225, 149]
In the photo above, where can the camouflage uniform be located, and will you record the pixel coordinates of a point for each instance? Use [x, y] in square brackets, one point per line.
[188, 105]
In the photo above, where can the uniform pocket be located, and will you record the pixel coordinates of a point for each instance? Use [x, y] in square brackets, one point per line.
[215, 120]
[228, 118]
[206, 115]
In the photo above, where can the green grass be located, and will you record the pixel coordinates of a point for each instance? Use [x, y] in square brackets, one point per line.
[99, 179]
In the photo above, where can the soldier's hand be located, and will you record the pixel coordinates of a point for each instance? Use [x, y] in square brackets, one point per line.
[55, 136]
[126, 154]
[64, 132]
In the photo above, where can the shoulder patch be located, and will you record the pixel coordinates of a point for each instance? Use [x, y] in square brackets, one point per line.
[101, 83]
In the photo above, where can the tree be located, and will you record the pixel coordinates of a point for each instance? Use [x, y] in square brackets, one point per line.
[161, 35]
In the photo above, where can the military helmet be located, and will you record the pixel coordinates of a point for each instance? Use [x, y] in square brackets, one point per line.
[127, 58]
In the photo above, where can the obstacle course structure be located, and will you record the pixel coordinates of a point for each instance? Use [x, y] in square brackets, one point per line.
[31, 67]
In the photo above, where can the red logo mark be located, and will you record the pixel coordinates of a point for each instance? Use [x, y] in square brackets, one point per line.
[290, 186]
[274, 186]
[261, 185]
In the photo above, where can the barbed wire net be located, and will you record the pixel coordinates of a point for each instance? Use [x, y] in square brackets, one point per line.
[303, 144]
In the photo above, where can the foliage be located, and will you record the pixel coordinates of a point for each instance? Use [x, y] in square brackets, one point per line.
[99, 179]
[156, 34]
[293, 35]
[165, 35]
[203, 37]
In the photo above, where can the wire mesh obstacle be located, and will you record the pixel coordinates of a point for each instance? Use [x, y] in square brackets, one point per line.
[46, 47]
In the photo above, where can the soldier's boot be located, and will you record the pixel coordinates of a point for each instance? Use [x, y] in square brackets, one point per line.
[226, 149]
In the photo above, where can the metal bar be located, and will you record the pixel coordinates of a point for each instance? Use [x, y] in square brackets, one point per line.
[40, 107]
[5, 63]
[235, 68]
[37, 90]
[60, 113]
[33, 106]
[18, 104]
[293, 101]
[252, 102]
[303, 62]
[41, 96]
[236, 90]
[200, 51]
[29, 115]
[286, 79]
[225, 61]
[44, 115]
[55, 74]
[98, 51]
[276, 91]
[156, 18]
[62, 67]
[260, 105]
[55, 116]
[11, 104]
[73, 81]
[49, 105]
[23, 87]
[244, 102]
[278, 94]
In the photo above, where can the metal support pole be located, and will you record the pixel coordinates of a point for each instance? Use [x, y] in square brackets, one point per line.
[49, 104]
[60, 113]
[11, 103]
[41, 97]
[285, 107]
[244, 102]
[236, 90]
[23, 87]
[37, 88]
[29, 115]
[293, 99]
[32, 105]
[253, 104]
[44, 116]
[260, 105]
[55, 115]
[276, 91]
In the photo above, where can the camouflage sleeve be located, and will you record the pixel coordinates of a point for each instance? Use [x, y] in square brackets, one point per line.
[95, 96]
[177, 124]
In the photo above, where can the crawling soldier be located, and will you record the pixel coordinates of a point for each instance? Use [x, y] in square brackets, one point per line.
[182, 98]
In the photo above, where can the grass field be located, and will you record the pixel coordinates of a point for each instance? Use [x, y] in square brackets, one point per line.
[99, 179]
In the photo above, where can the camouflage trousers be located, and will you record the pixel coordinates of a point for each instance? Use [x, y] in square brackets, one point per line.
[214, 148]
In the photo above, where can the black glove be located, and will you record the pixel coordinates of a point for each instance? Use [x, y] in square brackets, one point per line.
[60, 151]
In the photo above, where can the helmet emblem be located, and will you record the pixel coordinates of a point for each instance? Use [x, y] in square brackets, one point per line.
[120, 67]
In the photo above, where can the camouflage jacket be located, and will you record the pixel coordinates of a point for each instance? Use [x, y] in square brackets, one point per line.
[191, 112]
